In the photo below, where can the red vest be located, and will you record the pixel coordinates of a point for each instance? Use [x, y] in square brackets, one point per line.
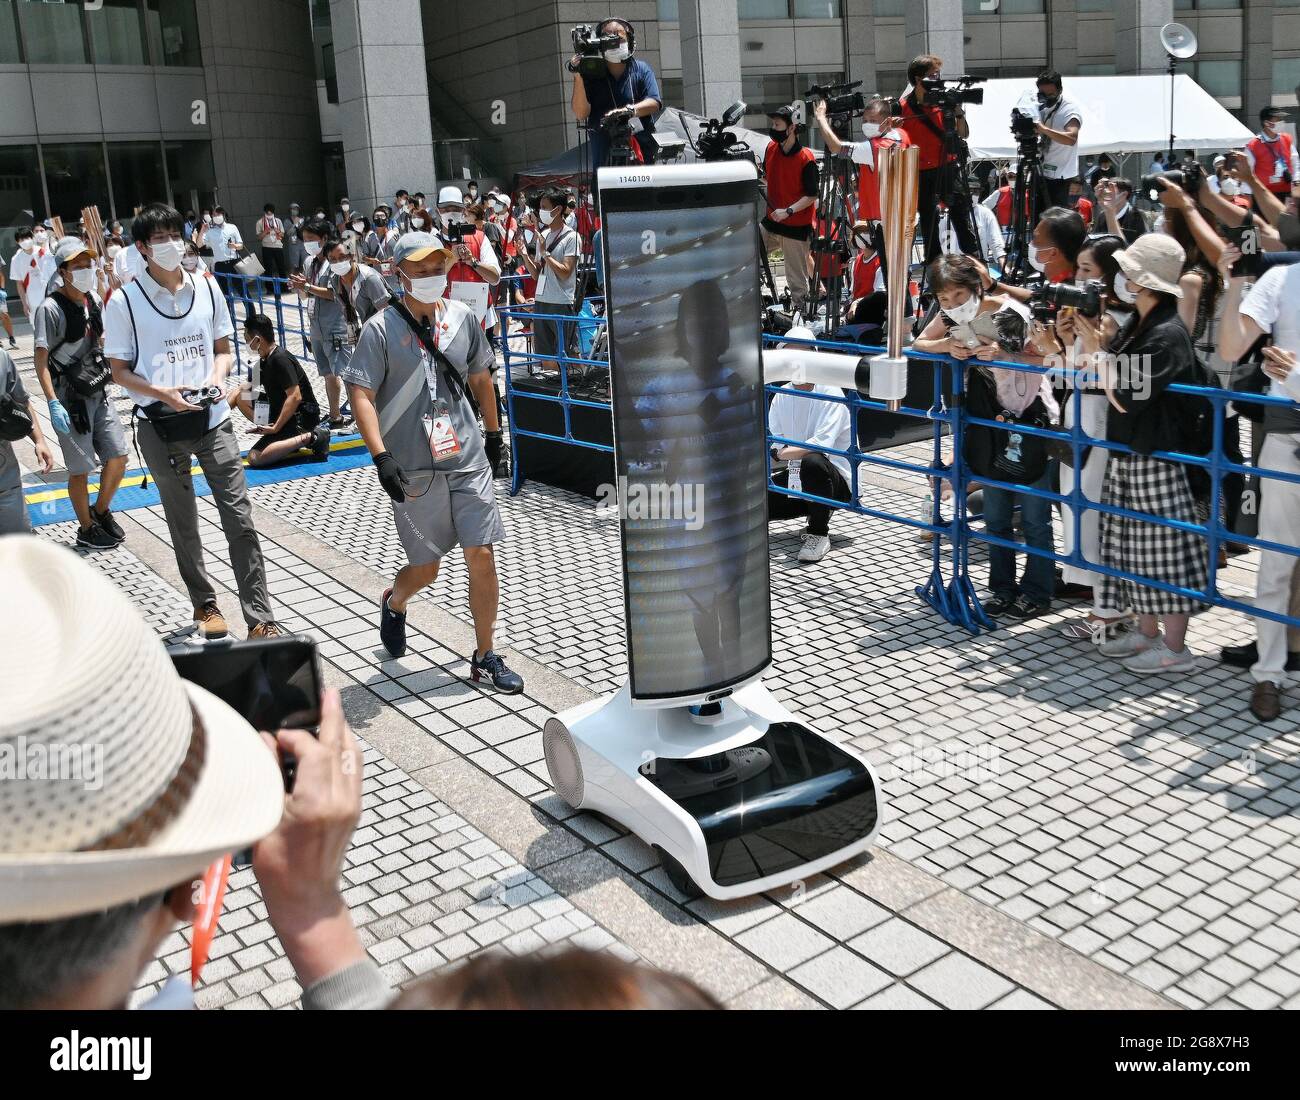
[785, 181]
[864, 275]
[869, 181]
[1006, 196]
[462, 272]
[927, 140]
[1267, 154]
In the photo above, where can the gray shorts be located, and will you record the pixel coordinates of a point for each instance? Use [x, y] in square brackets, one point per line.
[457, 508]
[14, 519]
[330, 362]
[86, 452]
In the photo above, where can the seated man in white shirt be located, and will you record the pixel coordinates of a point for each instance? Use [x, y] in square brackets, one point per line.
[817, 423]
[993, 248]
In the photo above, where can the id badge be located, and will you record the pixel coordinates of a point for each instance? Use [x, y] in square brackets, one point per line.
[795, 483]
[442, 435]
[385, 267]
[261, 414]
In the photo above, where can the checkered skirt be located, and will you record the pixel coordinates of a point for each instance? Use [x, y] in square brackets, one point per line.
[1143, 484]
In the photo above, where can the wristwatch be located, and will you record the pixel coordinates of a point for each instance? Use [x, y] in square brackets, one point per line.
[789, 211]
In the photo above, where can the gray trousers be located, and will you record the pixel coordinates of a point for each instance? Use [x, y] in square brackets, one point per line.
[218, 455]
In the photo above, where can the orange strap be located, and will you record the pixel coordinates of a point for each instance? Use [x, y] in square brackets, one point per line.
[207, 914]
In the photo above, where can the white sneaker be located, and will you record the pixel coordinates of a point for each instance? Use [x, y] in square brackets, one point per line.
[1129, 644]
[815, 547]
[1159, 658]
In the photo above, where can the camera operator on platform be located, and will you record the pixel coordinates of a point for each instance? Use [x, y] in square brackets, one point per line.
[628, 84]
[1059, 121]
[922, 121]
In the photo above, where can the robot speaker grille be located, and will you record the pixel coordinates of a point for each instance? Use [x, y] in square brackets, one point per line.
[562, 762]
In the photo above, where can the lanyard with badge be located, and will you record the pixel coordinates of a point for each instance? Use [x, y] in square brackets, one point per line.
[438, 428]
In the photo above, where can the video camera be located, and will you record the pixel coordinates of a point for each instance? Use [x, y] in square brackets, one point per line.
[590, 47]
[842, 100]
[205, 397]
[961, 92]
[456, 232]
[1024, 128]
[1051, 298]
[715, 141]
[1189, 179]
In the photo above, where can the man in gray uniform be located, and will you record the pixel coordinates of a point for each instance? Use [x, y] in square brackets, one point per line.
[68, 330]
[14, 399]
[328, 329]
[409, 382]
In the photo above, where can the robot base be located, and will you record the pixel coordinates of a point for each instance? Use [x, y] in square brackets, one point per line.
[735, 803]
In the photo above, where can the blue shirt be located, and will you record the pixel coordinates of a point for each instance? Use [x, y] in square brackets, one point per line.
[605, 93]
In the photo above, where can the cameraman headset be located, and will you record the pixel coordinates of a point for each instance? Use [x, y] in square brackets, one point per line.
[1059, 121]
[629, 86]
[922, 121]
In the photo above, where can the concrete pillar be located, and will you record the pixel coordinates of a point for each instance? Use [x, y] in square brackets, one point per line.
[1063, 35]
[937, 27]
[860, 44]
[383, 99]
[710, 33]
[1256, 59]
[1137, 35]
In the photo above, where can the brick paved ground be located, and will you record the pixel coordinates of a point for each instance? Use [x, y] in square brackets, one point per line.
[1057, 830]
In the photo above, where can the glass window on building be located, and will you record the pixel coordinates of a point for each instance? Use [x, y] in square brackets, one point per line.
[10, 54]
[189, 168]
[75, 178]
[116, 33]
[764, 91]
[815, 9]
[1096, 5]
[1286, 75]
[890, 9]
[1221, 79]
[667, 11]
[136, 169]
[762, 9]
[1003, 7]
[21, 199]
[52, 32]
[174, 33]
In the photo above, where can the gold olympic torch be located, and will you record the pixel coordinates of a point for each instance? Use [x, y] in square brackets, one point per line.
[898, 170]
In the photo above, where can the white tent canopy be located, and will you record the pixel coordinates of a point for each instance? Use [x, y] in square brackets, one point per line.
[1121, 114]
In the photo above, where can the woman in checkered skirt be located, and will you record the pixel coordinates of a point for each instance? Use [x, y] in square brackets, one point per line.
[1152, 351]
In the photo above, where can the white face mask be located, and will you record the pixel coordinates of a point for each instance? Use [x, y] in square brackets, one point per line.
[546, 216]
[40, 238]
[311, 247]
[450, 218]
[620, 54]
[357, 227]
[207, 219]
[190, 263]
[427, 290]
[1125, 291]
[341, 267]
[1229, 187]
[417, 223]
[871, 129]
[84, 280]
[28, 245]
[167, 254]
[113, 250]
[966, 312]
[219, 219]
[345, 207]
[1036, 260]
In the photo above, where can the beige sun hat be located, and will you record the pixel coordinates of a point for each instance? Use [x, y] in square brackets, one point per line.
[117, 778]
[1154, 261]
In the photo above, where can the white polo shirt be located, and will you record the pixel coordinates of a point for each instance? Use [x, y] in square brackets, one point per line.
[223, 239]
[1061, 162]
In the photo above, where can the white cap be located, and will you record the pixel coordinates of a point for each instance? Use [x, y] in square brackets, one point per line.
[449, 195]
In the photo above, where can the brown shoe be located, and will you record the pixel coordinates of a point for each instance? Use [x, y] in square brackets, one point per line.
[212, 624]
[1266, 701]
[266, 630]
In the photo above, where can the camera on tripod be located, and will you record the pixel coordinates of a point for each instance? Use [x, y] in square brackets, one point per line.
[842, 100]
[590, 47]
[1024, 128]
[1050, 298]
[1189, 179]
[950, 92]
[716, 141]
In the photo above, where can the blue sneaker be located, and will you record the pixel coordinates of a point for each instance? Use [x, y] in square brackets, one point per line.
[492, 668]
[392, 627]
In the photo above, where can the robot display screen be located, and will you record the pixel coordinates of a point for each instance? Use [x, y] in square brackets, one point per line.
[683, 314]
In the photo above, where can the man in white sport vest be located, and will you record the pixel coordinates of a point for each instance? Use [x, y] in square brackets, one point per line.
[167, 336]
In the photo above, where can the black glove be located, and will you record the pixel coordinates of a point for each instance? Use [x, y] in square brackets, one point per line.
[391, 477]
[495, 446]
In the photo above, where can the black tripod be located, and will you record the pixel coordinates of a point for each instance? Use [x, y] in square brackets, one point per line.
[953, 189]
[830, 246]
[1027, 198]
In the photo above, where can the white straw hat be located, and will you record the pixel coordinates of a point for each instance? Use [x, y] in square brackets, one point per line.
[1154, 261]
[117, 778]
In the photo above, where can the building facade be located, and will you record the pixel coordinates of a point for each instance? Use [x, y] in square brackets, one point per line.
[125, 102]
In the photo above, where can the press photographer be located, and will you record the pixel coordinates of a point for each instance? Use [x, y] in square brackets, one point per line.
[1060, 119]
[934, 117]
[611, 87]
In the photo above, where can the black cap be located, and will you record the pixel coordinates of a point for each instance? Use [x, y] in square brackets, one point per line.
[786, 112]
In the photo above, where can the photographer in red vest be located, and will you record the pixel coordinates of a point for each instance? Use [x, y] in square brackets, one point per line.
[790, 169]
[922, 121]
[1272, 154]
[476, 259]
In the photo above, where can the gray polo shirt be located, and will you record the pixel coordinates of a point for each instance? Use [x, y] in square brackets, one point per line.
[550, 287]
[391, 361]
[369, 293]
[11, 385]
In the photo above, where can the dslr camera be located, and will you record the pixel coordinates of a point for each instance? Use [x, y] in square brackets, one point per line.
[1189, 179]
[950, 92]
[1050, 298]
[204, 398]
[590, 48]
